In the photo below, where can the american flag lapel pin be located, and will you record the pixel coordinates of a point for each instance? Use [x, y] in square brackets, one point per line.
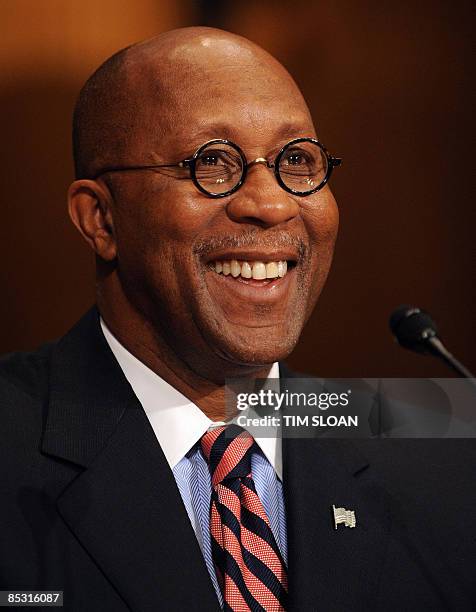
[341, 515]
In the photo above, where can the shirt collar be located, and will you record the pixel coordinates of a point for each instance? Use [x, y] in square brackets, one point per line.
[177, 422]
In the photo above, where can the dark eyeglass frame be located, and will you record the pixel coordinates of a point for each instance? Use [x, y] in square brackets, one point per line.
[190, 163]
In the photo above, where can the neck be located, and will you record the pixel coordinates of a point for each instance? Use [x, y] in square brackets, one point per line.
[147, 344]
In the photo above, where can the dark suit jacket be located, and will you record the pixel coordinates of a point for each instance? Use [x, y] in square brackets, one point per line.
[90, 506]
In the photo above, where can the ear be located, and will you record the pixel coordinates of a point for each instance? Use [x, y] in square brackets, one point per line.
[89, 205]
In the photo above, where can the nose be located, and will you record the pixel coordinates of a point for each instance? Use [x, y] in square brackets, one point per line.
[261, 200]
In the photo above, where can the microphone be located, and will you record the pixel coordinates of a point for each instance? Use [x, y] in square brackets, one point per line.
[415, 330]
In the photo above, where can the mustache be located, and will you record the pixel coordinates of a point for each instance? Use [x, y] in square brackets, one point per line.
[252, 239]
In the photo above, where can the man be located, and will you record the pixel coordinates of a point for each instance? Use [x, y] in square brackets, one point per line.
[203, 191]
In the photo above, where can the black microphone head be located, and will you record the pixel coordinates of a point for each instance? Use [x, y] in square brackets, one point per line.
[412, 327]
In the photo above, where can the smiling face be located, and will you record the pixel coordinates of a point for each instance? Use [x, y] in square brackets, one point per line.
[175, 246]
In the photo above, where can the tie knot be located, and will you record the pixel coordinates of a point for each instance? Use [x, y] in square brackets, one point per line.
[228, 452]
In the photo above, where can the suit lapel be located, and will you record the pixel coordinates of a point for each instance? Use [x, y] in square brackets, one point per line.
[332, 569]
[124, 508]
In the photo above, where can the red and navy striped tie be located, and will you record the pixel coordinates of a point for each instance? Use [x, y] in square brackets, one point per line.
[249, 566]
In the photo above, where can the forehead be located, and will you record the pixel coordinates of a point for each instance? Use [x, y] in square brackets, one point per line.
[248, 125]
[239, 97]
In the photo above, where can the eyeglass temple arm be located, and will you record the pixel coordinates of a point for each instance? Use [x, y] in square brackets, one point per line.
[107, 170]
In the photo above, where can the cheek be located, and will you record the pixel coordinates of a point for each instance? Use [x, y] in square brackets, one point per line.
[164, 220]
[156, 231]
[321, 220]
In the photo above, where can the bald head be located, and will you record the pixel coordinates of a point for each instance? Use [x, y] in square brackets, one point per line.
[149, 89]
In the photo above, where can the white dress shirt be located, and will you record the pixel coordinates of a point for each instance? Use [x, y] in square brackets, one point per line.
[177, 422]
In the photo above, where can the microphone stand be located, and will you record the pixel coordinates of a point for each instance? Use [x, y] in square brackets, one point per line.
[437, 348]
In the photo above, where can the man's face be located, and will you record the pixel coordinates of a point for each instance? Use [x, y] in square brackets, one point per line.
[170, 236]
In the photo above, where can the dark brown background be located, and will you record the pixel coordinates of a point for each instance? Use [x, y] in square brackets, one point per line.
[390, 85]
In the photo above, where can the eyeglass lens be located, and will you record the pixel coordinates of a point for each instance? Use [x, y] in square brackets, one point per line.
[218, 168]
[302, 167]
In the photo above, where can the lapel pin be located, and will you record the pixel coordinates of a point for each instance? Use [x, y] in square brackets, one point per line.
[341, 515]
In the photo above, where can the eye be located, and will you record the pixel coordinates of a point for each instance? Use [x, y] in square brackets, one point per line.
[215, 157]
[209, 160]
[296, 158]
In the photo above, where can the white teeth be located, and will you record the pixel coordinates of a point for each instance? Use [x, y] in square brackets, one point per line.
[246, 271]
[257, 270]
[235, 268]
[272, 270]
[282, 268]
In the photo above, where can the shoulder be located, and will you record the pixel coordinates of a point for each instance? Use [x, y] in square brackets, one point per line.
[429, 488]
[23, 405]
[424, 464]
[24, 374]
[429, 483]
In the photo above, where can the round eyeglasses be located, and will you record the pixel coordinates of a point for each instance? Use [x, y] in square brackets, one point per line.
[219, 167]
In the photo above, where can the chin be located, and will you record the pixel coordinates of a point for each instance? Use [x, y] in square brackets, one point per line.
[257, 346]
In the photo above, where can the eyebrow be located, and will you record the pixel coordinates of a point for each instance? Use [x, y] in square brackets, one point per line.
[228, 132]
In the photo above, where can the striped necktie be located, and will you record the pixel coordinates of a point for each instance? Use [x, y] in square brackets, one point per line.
[249, 566]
